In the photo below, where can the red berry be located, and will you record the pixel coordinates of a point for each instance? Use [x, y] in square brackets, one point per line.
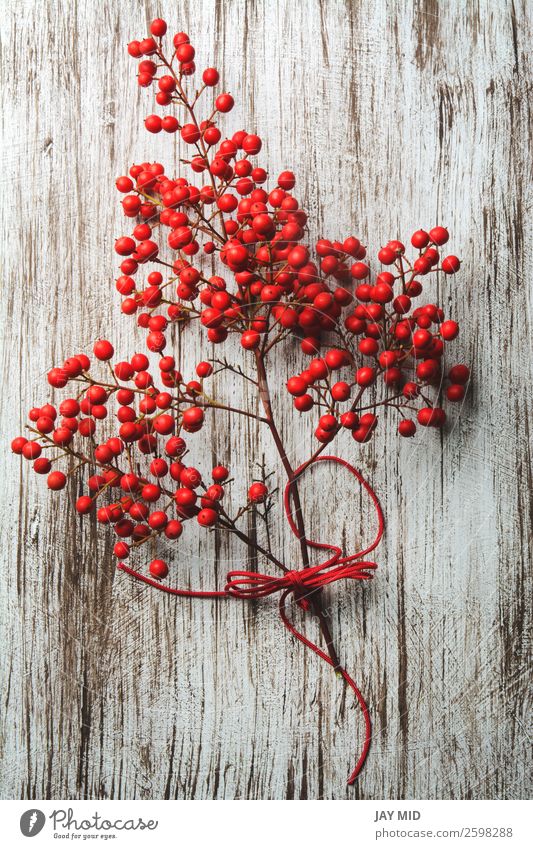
[124, 184]
[459, 374]
[193, 419]
[303, 403]
[368, 420]
[207, 517]
[387, 359]
[349, 420]
[250, 340]
[427, 369]
[420, 266]
[407, 428]
[42, 465]
[351, 245]
[368, 347]
[439, 235]
[450, 264]
[310, 345]
[124, 371]
[167, 84]
[129, 483]
[62, 436]
[224, 102]
[150, 492]
[170, 124]
[185, 53]
[134, 49]
[297, 386]
[340, 391]
[56, 480]
[362, 434]
[392, 376]
[44, 424]
[318, 368]
[18, 444]
[153, 124]
[175, 446]
[386, 256]
[158, 569]
[121, 549]
[220, 473]
[84, 504]
[402, 304]
[251, 144]
[57, 377]
[173, 529]
[336, 358]
[422, 338]
[148, 46]
[215, 492]
[298, 256]
[204, 369]
[455, 392]
[158, 27]
[180, 38]
[31, 450]
[396, 246]
[286, 180]
[431, 416]
[185, 497]
[103, 350]
[157, 520]
[140, 362]
[210, 76]
[420, 239]
[359, 270]
[327, 422]
[190, 477]
[382, 293]
[164, 424]
[431, 256]
[449, 330]
[365, 376]
[159, 467]
[190, 133]
[410, 390]
[257, 492]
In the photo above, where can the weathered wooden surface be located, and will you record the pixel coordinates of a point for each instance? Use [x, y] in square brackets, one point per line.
[394, 115]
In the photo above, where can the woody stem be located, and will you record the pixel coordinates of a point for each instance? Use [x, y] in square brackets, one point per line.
[314, 598]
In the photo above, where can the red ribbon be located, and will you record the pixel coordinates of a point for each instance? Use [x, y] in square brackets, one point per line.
[252, 585]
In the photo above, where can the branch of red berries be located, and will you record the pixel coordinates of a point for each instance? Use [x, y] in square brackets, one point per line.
[366, 348]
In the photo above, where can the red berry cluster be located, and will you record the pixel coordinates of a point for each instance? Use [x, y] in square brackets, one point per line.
[149, 422]
[367, 347]
[404, 346]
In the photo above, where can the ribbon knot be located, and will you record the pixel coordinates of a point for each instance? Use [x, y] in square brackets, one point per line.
[295, 579]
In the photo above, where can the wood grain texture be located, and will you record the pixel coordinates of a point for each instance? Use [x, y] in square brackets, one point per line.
[394, 115]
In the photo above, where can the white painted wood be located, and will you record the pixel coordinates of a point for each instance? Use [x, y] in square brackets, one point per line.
[394, 115]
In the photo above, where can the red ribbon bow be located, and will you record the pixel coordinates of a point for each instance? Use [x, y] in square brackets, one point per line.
[302, 583]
